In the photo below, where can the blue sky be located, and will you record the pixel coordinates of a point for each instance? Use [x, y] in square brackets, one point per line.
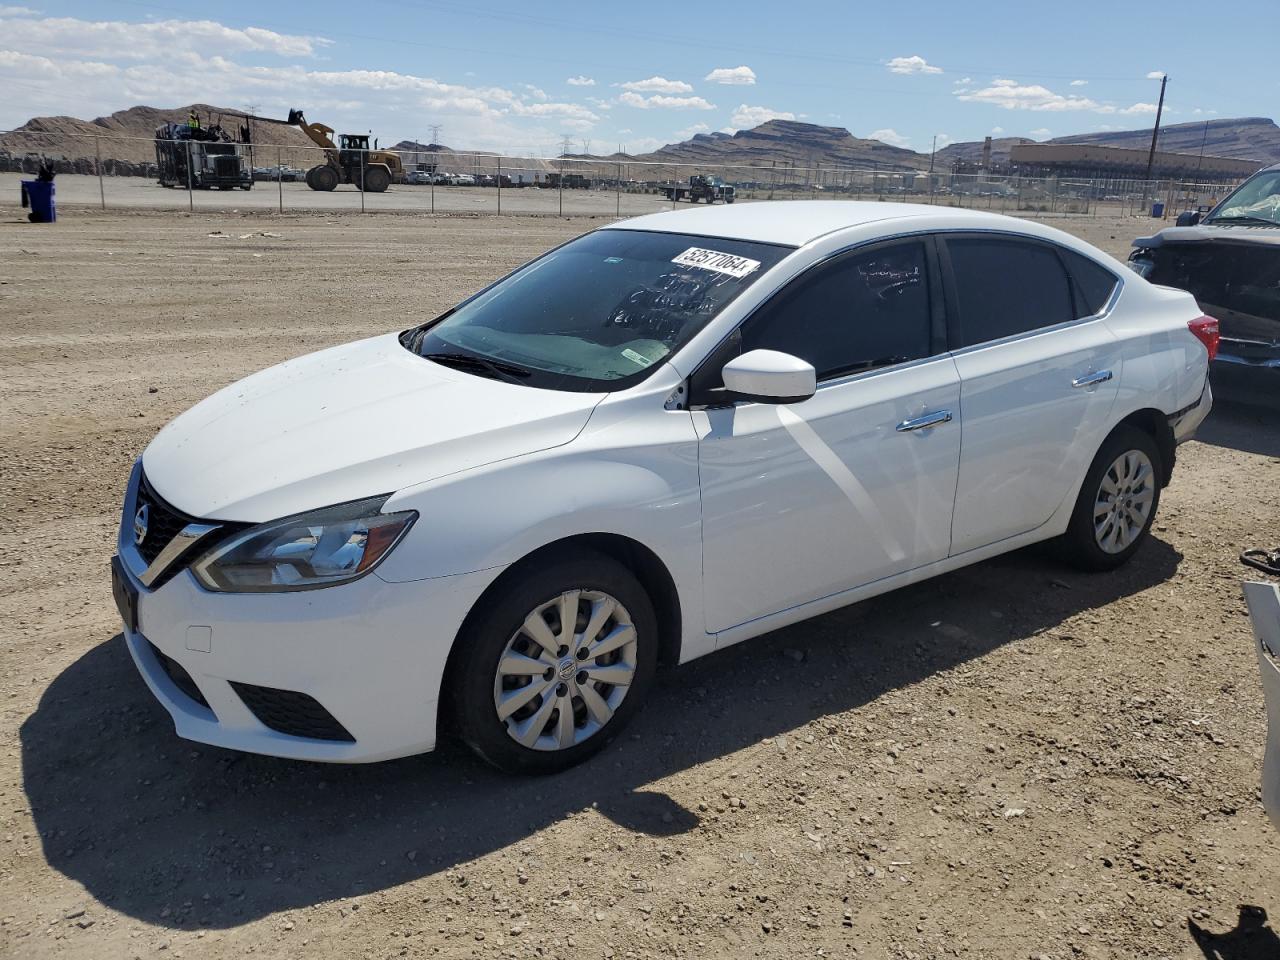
[521, 76]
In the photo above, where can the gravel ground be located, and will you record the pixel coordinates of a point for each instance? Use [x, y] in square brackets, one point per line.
[1014, 760]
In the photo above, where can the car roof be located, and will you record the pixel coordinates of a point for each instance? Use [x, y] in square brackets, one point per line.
[797, 222]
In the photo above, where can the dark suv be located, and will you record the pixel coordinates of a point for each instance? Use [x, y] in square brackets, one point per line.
[1230, 262]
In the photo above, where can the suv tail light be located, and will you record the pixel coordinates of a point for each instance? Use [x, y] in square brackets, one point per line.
[1206, 331]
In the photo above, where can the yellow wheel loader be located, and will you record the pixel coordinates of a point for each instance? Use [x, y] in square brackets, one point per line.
[348, 161]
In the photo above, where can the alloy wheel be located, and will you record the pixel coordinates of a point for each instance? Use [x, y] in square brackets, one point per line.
[566, 670]
[1123, 502]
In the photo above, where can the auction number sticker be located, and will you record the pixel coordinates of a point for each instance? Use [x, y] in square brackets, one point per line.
[726, 263]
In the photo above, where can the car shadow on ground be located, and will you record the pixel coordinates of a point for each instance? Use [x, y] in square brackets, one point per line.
[1237, 426]
[185, 836]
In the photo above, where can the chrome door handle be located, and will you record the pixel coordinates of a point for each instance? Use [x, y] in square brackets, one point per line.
[1092, 379]
[928, 420]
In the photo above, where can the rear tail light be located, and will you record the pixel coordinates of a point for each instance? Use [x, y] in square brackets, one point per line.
[1206, 331]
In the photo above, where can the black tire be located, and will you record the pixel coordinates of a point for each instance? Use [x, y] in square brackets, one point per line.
[1080, 543]
[323, 178]
[472, 676]
[377, 179]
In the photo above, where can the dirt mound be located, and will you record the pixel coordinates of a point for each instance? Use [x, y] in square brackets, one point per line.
[74, 139]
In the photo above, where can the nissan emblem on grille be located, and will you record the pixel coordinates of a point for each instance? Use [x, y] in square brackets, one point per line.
[140, 523]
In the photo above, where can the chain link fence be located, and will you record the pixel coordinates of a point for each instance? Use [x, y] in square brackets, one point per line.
[141, 173]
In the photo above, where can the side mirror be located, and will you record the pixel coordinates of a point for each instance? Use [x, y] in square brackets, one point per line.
[1188, 218]
[768, 376]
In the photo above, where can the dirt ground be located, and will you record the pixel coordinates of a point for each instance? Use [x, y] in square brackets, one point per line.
[1015, 760]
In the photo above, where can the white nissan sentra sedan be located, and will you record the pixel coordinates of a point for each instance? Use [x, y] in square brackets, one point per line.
[659, 439]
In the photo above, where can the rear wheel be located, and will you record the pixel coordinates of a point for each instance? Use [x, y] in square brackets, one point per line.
[556, 666]
[1117, 502]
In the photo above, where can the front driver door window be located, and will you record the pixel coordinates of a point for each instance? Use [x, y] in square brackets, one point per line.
[806, 500]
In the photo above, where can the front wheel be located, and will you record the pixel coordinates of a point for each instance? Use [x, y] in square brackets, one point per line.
[556, 666]
[1117, 502]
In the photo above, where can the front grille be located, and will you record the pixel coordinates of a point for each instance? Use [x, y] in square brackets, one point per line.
[163, 522]
[178, 674]
[292, 713]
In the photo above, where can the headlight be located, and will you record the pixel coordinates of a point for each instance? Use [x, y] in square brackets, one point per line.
[306, 551]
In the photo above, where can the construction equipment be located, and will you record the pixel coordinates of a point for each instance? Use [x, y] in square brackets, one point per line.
[188, 155]
[348, 161]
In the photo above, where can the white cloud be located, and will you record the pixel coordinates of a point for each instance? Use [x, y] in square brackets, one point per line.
[1079, 83]
[18, 12]
[963, 82]
[690, 130]
[661, 102]
[536, 92]
[890, 136]
[580, 81]
[996, 131]
[746, 116]
[911, 64]
[1012, 95]
[1155, 75]
[477, 117]
[657, 85]
[737, 76]
[1041, 132]
[118, 40]
[574, 111]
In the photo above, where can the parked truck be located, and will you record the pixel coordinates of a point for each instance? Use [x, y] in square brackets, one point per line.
[700, 188]
[201, 158]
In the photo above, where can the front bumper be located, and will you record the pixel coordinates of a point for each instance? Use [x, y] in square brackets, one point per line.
[370, 653]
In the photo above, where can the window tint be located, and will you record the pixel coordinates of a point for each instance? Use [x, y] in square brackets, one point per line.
[1005, 287]
[1094, 284]
[861, 311]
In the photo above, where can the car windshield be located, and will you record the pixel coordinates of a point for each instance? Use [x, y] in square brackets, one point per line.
[1257, 200]
[597, 314]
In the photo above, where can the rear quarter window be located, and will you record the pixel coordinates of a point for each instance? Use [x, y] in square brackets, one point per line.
[1092, 283]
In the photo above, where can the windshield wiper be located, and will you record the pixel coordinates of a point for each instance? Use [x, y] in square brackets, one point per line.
[1262, 221]
[483, 366]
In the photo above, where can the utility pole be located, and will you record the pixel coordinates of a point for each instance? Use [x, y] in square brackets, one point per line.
[435, 129]
[1155, 131]
[1203, 139]
[933, 153]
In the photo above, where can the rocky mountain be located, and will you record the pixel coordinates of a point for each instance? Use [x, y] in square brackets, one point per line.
[786, 143]
[1249, 138]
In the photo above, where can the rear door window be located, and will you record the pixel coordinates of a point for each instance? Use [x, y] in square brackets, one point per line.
[1005, 286]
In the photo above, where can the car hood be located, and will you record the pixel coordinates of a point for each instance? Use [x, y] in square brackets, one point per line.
[1265, 236]
[346, 423]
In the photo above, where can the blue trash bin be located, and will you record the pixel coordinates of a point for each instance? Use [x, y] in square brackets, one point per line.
[1157, 210]
[38, 194]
